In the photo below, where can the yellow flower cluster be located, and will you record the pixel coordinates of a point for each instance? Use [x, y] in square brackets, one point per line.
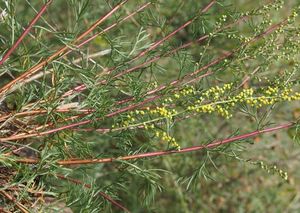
[207, 108]
[246, 93]
[210, 108]
[216, 92]
[164, 112]
[272, 95]
[253, 102]
[218, 101]
[128, 121]
[223, 112]
[184, 92]
[271, 90]
[292, 17]
[274, 169]
[286, 95]
[167, 101]
[263, 100]
[148, 126]
[167, 138]
[139, 112]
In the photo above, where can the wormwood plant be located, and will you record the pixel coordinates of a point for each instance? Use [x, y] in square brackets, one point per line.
[100, 99]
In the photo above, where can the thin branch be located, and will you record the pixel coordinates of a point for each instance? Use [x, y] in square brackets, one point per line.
[41, 112]
[168, 152]
[26, 31]
[226, 55]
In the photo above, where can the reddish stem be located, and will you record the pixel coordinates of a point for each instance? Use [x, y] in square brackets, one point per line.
[41, 112]
[161, 153]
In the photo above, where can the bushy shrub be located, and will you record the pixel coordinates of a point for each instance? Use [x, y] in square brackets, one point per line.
[101, 99]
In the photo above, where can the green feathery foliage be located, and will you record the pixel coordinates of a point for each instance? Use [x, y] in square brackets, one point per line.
[100, 99]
